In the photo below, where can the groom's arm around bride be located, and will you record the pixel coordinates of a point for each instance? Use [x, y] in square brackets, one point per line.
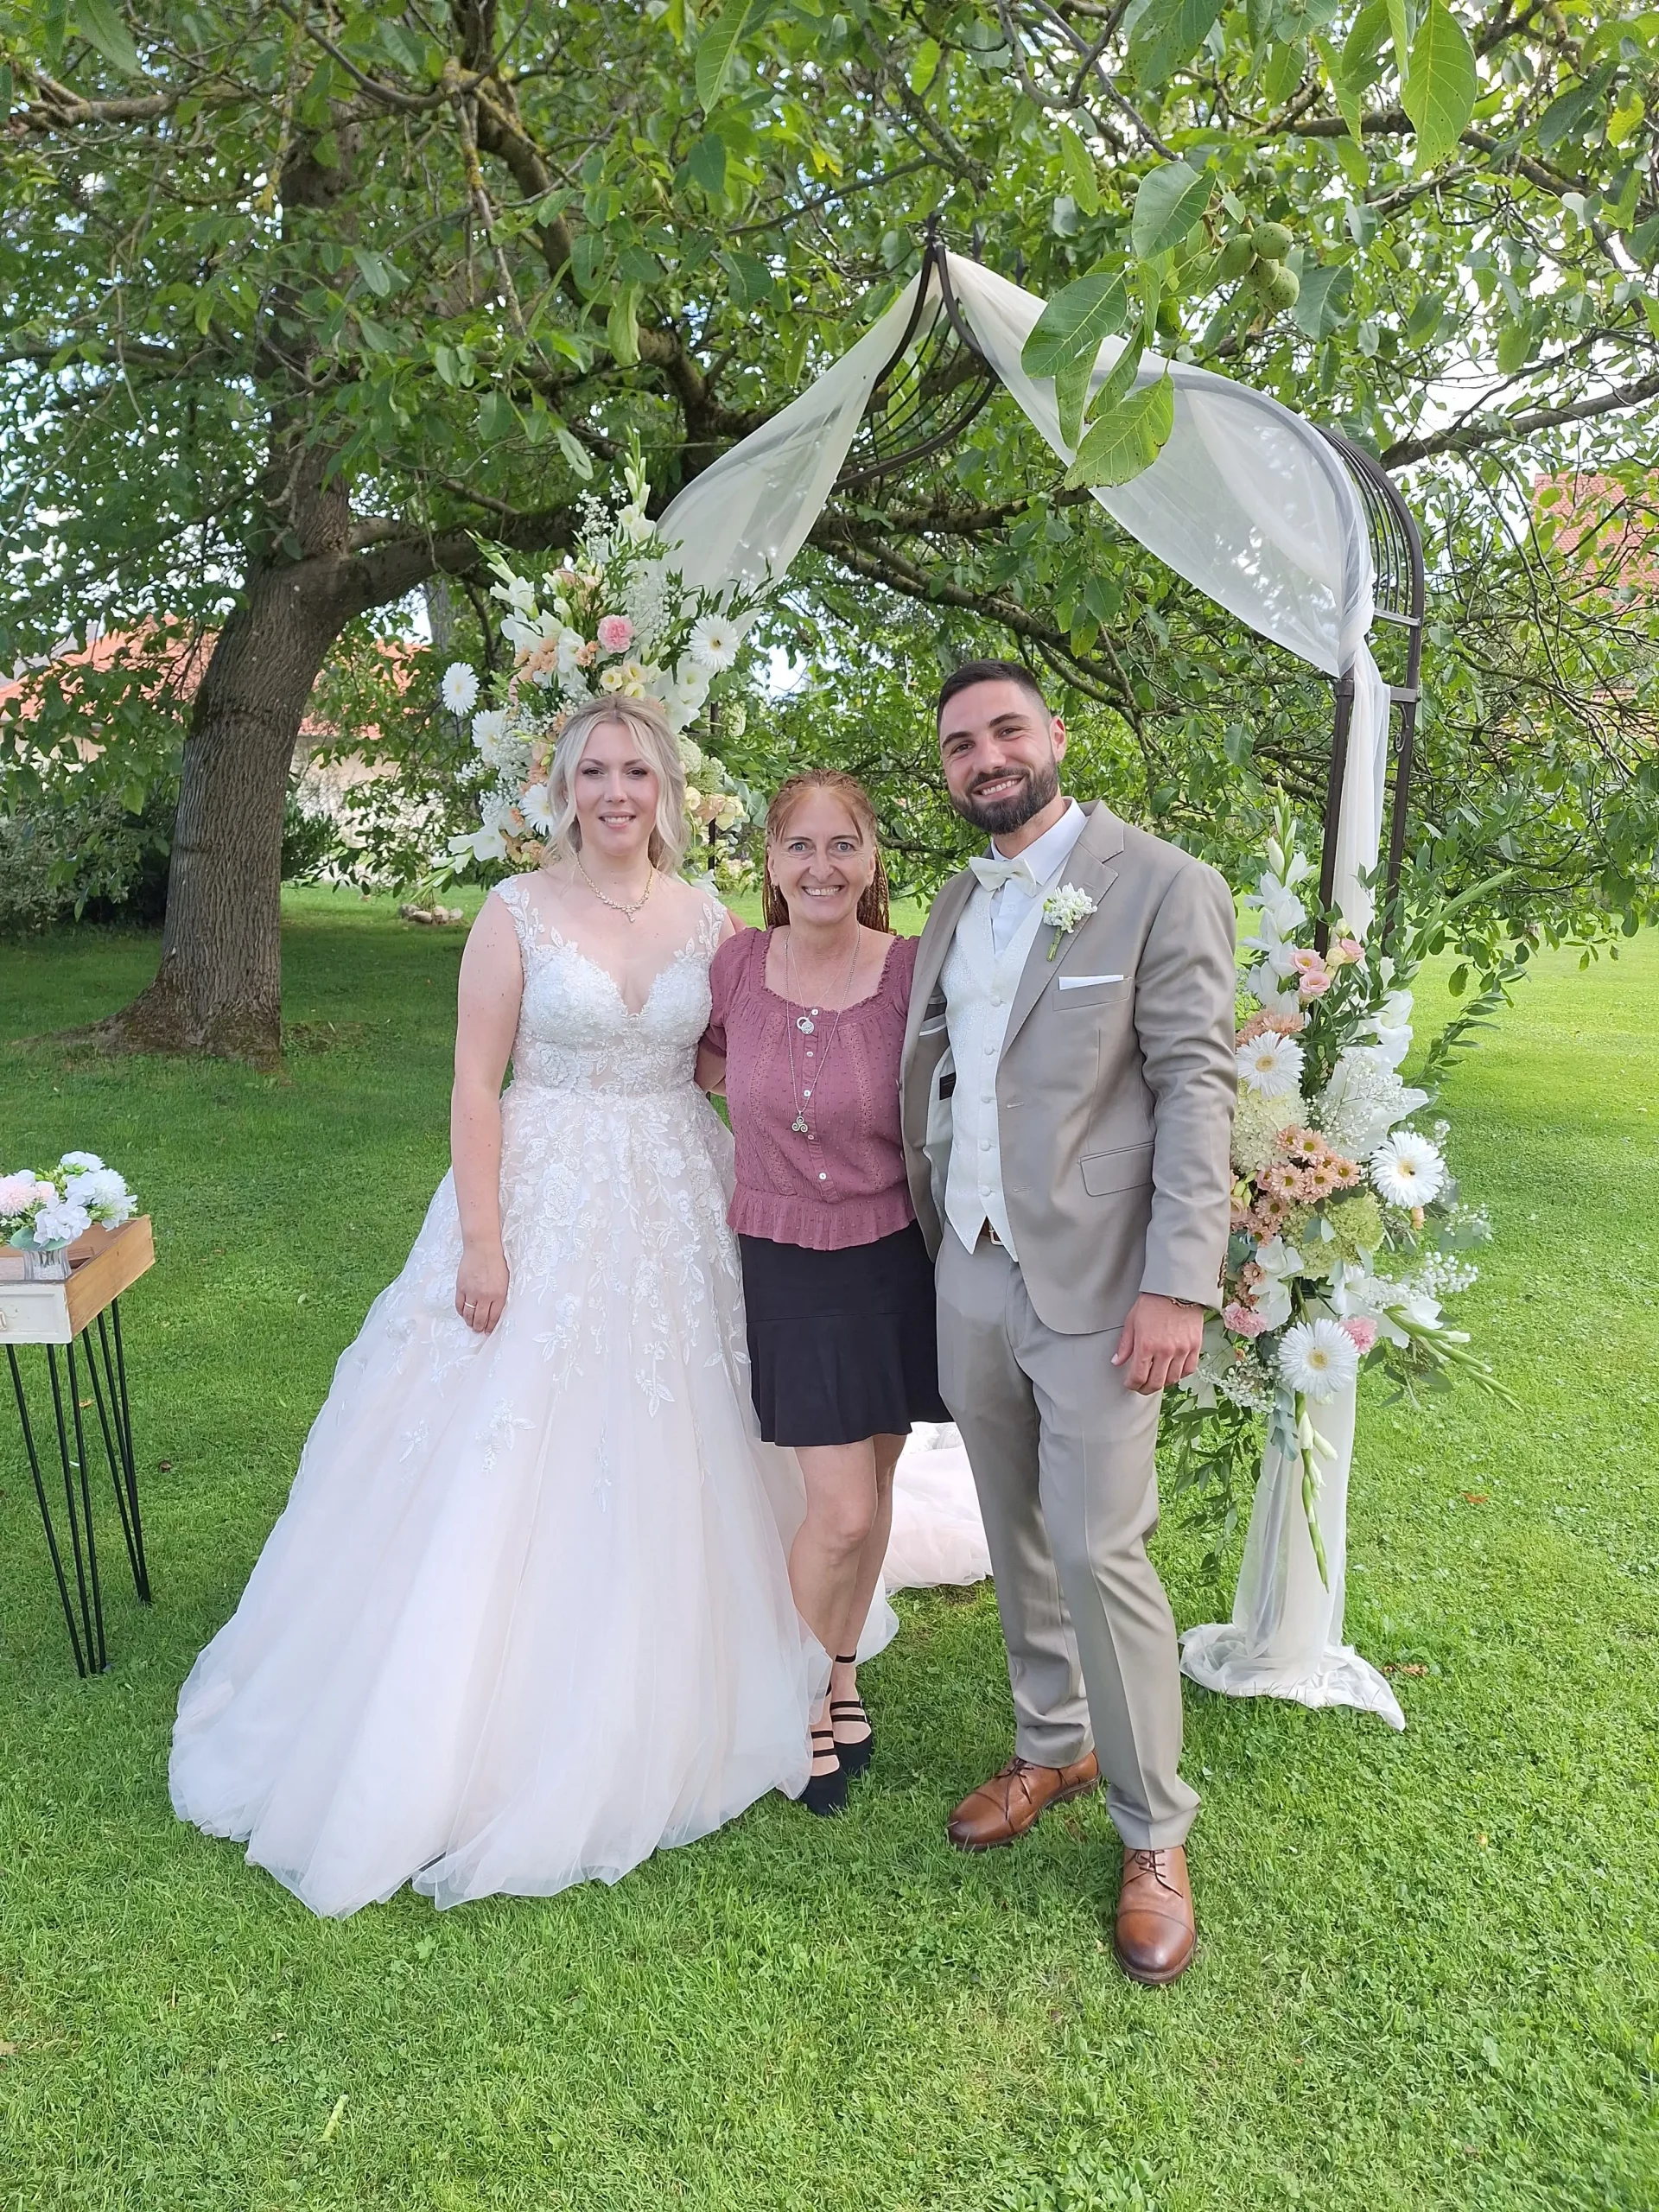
[1067, 1097]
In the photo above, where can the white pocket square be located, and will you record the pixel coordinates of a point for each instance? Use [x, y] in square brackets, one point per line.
[1082, 982]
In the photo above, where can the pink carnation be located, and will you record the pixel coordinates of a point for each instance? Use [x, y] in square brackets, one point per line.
[615, 633]
[1362, 1329]
[1242, 1320]
[1313, 976]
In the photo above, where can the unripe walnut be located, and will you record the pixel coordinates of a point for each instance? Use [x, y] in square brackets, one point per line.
[1284, 287]
[1235, 259]
[1272, 241]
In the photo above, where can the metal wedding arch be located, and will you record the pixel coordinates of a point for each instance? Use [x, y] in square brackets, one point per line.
[1289, 526]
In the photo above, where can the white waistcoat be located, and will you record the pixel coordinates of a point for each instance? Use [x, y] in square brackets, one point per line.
[979, 985]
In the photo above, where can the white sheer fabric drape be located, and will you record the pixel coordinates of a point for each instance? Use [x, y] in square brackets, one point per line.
[1248, 502]
[1284, 1638]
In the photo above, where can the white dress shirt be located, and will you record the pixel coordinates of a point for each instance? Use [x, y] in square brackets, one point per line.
[1044, 860]
[992, 940]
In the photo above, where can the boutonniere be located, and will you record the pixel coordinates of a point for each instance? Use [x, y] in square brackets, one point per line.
[1063, 910]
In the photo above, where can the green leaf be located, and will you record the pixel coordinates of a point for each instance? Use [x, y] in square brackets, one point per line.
[924, 65]
[97, 21]
[574, 452]
[1126, 441]
[717, 47]
[706, 163]
[448, 365]
[1514, 345]
[1073, 323]
[1079, 167]
[1166, 34]
[1170, 200]
[1400, 37]
[1347, 96]
[375, 273]
[402, 50]
[1441, 84]
[1072, 381]
[1322, 303]
[1362, 50]
[622, 326]
[497, 415]
[57, 29]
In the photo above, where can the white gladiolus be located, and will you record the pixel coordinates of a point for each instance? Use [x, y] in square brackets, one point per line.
[518, 593]
[1270, 1064]
[1319, 1358]
[1363, 1100]
[1408, 1170]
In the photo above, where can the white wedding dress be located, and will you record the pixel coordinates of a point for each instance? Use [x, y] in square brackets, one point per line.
[526, 1617]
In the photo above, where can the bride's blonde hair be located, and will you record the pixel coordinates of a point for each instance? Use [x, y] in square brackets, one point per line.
[647, 725]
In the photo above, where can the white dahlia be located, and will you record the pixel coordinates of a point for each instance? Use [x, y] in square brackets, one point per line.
[1271, 1065]
[1319, 1358]
[1408, 1170]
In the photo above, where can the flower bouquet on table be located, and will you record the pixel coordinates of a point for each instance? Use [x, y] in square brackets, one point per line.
[43, 1214]
[613, 620]
[1348, 1231]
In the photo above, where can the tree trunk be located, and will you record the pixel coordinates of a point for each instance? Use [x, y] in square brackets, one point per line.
[218, 988]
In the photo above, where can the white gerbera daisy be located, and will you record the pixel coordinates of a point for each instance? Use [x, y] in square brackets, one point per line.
[459, 688]
[1407, 1170]
[536, 809]
[1319, 1358]
[1271, 1065]
[489, 728]
[714, 643]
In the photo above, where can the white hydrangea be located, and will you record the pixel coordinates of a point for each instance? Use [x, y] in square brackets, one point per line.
[59, 1222]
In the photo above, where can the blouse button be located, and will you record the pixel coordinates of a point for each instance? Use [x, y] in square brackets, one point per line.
[822, 1176]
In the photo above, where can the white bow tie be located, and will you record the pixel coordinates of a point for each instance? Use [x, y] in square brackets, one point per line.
[994, 872]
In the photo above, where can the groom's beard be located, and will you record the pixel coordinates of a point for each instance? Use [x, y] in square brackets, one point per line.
[1001, 816]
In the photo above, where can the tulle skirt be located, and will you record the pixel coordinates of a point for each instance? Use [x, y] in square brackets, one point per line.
[526, 1618]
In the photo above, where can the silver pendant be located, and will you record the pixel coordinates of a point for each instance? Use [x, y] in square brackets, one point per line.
[805, 1024]
[800, 1126]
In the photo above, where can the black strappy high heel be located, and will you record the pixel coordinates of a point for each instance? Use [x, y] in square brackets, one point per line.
[856, 1755]
[825, 1794]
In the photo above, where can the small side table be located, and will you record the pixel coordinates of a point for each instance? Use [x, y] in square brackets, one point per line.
[70, 1314]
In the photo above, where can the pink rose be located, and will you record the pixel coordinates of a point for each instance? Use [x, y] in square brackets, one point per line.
[1362, 1329]
[615, 633]
[1242, 1320]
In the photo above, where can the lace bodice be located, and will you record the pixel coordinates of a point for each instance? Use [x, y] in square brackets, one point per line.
[575, 1031]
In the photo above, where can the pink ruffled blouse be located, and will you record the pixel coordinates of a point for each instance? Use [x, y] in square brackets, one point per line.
[845, 1184]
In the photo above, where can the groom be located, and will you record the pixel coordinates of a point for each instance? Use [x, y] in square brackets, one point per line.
[1067, 1098]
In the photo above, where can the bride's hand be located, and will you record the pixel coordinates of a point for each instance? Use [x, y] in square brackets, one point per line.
[481, 1289]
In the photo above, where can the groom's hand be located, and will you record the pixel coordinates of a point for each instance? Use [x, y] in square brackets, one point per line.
[1159, 1343]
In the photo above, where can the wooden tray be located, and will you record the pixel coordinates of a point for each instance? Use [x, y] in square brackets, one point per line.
[103, 1263]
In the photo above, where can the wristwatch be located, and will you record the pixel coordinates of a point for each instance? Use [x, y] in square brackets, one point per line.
[1188, 1305]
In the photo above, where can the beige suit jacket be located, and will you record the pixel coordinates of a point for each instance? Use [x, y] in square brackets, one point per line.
[1114, 1099]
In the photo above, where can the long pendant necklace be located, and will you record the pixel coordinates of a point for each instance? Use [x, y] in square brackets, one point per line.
[803, 1022]
[629, 907]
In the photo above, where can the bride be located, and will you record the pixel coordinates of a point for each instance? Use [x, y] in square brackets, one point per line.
[527, 1617]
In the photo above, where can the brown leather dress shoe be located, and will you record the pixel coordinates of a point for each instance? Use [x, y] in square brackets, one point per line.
[1156, 1932]
[1001, 1811]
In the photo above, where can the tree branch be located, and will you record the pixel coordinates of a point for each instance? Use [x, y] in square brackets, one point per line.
[1487, 429]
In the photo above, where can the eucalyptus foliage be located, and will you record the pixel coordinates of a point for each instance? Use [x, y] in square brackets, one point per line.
[301, 301]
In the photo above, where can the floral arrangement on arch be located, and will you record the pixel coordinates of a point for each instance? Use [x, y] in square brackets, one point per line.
[43, 1211]
[612, 620]
[1348, 1232]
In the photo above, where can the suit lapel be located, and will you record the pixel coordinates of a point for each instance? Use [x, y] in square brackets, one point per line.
[935, 947]
[1090, 869]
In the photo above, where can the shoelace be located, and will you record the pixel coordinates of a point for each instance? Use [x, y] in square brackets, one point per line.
[1152, 1862]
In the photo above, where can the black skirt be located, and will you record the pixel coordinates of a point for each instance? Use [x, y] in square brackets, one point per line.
[842, 1345]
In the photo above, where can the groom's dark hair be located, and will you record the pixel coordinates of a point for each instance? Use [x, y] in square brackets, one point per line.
[988, 671]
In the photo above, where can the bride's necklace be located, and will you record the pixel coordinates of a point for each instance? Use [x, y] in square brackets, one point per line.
[804, 1023]
[629, 907]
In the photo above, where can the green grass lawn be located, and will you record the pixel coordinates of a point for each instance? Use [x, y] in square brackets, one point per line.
[1426, 1974]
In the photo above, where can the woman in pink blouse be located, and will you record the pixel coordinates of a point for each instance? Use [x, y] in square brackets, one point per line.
[808, 1023]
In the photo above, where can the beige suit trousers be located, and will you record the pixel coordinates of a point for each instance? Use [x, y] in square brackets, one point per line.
[1062, 1453]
